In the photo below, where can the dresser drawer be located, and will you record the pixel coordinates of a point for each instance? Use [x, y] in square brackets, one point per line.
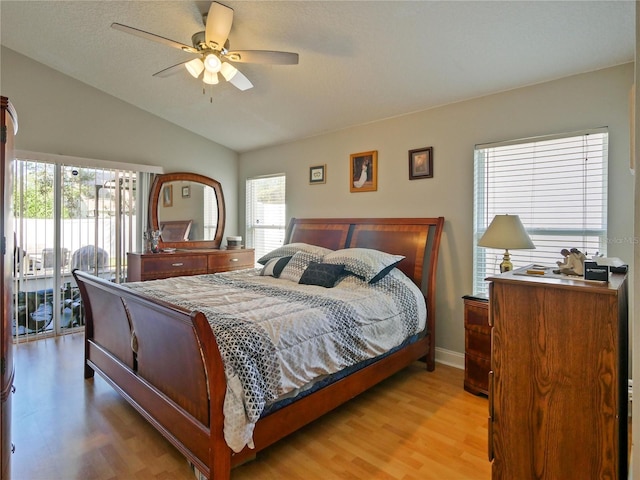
[476, 314]
[478, 343]
[230, 260]
[476, 374]
[171, 265]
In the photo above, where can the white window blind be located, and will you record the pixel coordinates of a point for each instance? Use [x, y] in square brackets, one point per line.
[266, 216]
[558, 187]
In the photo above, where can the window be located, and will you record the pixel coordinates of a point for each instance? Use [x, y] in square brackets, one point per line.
[266, 214]
[558, 187]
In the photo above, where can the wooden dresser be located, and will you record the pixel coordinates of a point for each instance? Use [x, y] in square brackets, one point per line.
[477, 345]
[151, 266]
[558, 386]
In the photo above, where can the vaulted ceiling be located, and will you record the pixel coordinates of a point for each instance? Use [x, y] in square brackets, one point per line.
[360, 61]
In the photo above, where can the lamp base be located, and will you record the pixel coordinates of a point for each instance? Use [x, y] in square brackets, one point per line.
[506, 265]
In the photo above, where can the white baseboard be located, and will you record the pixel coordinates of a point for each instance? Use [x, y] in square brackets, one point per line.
[449, 357]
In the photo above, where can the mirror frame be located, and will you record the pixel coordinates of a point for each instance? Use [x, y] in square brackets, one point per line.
[154, 202]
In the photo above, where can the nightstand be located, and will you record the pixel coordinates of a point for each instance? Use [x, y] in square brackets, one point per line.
[477, 344]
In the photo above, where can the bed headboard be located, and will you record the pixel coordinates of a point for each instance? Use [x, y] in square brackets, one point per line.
[418, 239]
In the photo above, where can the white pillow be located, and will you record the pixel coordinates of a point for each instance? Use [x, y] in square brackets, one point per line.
[298, 264]
[291, 249]
[274, 266]
[369, 264]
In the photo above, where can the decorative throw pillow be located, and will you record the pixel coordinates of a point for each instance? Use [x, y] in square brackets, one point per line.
[322, 274]
[369, 264]
[298, 264]
[291, 249]
[274, 266]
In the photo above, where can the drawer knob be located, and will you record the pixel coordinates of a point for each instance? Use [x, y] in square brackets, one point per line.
[233, 259]
[177, 264]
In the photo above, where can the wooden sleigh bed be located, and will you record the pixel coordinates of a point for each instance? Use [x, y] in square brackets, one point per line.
[172, 372]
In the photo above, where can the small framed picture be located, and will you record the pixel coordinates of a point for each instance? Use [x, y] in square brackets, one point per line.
[363, 169]
[421, 163]
[167, 196]
[186, 191]
[318, 174]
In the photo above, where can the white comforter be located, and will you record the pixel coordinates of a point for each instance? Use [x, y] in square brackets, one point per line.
[276, 336]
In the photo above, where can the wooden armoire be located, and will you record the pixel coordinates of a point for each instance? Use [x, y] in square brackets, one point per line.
[558, 381]
[9, 127]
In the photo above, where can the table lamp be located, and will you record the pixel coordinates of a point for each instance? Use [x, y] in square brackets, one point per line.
[506, 231]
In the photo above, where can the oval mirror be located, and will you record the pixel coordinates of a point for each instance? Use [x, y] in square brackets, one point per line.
[188, 209]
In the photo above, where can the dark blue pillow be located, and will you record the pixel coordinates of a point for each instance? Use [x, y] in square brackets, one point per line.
[321, 274]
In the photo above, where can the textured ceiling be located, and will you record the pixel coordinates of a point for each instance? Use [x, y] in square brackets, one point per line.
[359, 61]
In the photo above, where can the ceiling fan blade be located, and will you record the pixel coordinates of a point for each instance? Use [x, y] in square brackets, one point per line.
[153, 37]
[263, 56]
[172, 70]
[240, 81]
[219, 20]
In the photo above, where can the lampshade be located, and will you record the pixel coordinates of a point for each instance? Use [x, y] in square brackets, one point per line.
[210, 78]
[212, 63]
[506, 231]
[195, 67]
[228, 71]
[234, 77]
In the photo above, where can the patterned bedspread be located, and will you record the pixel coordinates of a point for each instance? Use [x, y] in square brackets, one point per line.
[276, 336]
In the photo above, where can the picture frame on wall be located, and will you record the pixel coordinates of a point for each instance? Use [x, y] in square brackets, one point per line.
[186, 191]
[363, 171]
[167, 196]
[421, 163]
[317, 174]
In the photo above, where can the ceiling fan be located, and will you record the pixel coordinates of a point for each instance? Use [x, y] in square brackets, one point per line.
[212, 49]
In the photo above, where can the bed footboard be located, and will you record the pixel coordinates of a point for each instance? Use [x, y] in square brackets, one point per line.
[164, 361]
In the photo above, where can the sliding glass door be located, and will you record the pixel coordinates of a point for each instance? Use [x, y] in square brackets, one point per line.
[67, 217]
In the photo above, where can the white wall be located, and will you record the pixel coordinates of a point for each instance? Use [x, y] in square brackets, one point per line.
[60, 115]
[584, 101]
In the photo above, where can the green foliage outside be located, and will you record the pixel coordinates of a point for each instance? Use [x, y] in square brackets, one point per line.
[78, 192]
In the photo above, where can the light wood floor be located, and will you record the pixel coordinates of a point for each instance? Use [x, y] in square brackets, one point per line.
[417, 425]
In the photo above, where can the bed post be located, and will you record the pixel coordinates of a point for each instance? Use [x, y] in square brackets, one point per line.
[432, 248]
[88, 327]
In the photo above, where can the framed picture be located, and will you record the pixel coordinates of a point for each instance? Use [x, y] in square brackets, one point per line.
[167, 196]
[421, 163]
[186, 191]
[317, 174]
[363, 172]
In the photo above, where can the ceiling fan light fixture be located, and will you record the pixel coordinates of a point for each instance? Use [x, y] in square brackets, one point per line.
[195, 67]
[212, 63]
[228, 71]
[210, 78]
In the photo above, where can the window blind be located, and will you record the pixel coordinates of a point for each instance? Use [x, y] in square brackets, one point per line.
[266, 215]
[558, 187]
